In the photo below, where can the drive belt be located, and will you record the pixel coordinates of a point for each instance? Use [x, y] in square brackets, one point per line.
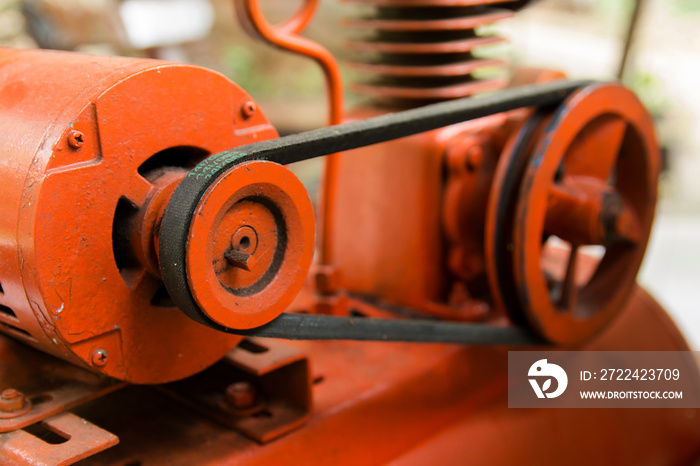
[317, 143]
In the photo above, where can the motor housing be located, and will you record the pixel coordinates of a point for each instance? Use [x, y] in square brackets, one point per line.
[92, 148]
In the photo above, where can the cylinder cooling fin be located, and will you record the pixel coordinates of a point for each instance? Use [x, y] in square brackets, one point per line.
[418, 51]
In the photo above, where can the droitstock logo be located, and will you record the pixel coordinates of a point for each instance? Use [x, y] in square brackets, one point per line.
[545, 372]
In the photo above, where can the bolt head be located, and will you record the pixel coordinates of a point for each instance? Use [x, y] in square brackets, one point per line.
[241, 395]
[10, 394]
[75, 139]
[248, 109]
[11, 400]
[99, 357]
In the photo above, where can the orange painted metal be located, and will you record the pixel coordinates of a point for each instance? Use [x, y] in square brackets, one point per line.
[592, 180]
[387, 219]
[256, 230]
[409, 218]
[406, 217]
[96, 146]
[93, 142]
[470, 162]
[80, 440]
[396, 403]
[45, 385]
[403, 234]
[262, 389]
[425, 50]
[287, 37]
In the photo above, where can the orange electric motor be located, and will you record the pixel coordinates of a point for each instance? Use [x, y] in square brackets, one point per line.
[93, 147]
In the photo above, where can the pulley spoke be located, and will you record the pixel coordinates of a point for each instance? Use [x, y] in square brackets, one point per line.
[569, 289]
[596, 150]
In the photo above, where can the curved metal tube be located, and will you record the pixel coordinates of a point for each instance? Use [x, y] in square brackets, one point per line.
[286, 37]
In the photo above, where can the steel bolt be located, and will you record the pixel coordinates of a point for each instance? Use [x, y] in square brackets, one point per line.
[75, 139]
[248, 109]
[241, 395]
[11, 400]
[99, 357]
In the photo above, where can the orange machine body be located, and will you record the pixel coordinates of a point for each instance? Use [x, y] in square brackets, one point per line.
[428, 192]
[408, 404]
[451, 224]
[68, 179]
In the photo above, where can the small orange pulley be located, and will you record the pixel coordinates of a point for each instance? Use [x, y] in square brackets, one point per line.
[251, 242]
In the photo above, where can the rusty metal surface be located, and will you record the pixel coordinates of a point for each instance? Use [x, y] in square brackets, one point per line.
[47, 385]
[261, 389]
[77, 440]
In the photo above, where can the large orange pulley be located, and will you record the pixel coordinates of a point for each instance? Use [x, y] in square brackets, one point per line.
[587, 175]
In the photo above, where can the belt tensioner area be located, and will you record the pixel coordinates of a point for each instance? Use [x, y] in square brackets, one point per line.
[148, 218]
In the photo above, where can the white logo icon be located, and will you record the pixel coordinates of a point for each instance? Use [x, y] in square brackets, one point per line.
[549, 371]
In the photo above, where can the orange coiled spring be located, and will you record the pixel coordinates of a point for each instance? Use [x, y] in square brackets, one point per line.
[419, 51]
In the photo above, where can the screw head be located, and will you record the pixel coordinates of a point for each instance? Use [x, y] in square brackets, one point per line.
[241, 395]
[75, 139]
[99, 357]
[248, 109]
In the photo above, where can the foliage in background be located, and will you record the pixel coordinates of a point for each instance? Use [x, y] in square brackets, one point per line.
[620, 8]
[687, 6]
[650, 90]
[272, 74]
[239, 64]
